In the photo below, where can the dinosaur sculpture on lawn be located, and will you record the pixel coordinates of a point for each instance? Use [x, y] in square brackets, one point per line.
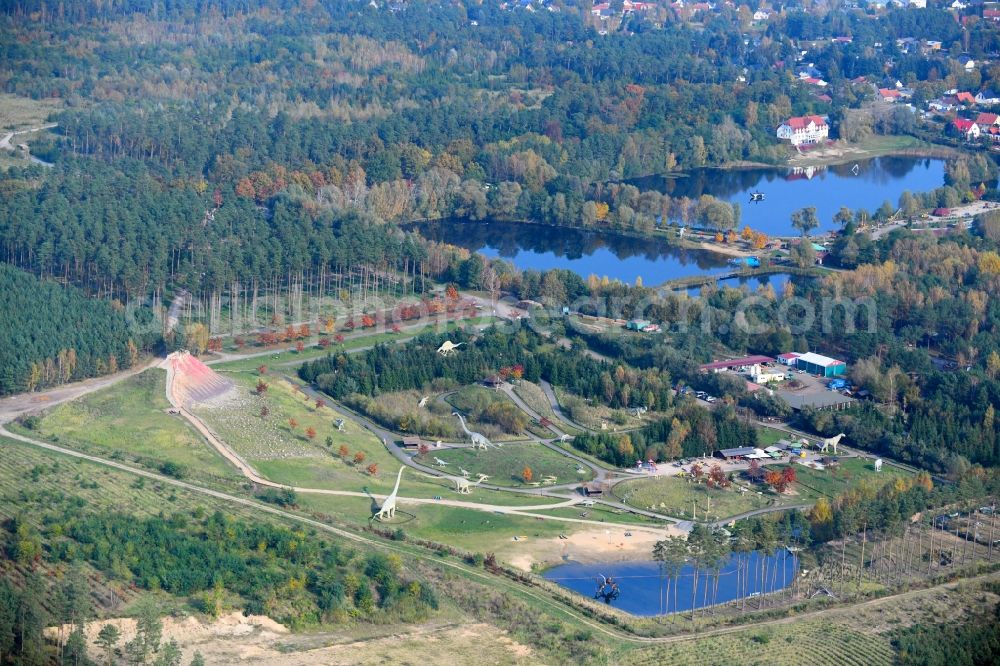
[388, 508]
[478, 441]
[832, 441]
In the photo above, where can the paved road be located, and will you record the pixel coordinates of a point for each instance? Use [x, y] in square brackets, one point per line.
[488, 579]
[556, 409]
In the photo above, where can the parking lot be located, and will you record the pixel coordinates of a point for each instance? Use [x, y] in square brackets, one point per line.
[813, 392]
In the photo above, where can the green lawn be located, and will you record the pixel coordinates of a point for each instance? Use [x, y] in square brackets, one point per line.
[505, 465]
[812, 484]
[599, 512]
[677, 497]
[131, 417]
[285, 355]
[287, 455]
[469, 529]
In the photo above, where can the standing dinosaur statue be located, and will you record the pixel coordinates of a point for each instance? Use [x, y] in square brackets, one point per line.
[447, 347]
[478, 441]
[462, 485]
[388, 508]
[832, 441]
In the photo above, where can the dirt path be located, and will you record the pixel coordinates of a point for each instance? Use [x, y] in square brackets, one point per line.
[26, 403]
[251, 474]
[496, 582]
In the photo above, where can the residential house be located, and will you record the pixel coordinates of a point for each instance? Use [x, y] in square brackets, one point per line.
[991, 14]
[966, 61]
[987, 97]
[988, 122]
[967, 98]
[968, 128]
[804, 130]
[761, 15]
[889, 94]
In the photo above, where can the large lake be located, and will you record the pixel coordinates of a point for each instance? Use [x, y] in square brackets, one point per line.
[786, 190]
[623, 258]
[584, 252]
[640, 582]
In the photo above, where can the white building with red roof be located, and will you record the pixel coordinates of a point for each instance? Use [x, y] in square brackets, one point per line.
[804, 129]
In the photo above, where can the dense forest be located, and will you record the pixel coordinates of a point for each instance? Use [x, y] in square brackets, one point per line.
[56, 333]
[286, 574]
[220, 148]
[692, 432]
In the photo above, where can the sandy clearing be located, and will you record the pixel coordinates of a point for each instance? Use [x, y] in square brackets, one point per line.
[597, 545]
[236, 639]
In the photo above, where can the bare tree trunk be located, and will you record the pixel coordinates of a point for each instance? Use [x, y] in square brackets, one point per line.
[861, 564]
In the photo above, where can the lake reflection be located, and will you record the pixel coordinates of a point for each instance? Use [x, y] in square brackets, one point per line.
[584, 252]
[640, 583]
[873, 182]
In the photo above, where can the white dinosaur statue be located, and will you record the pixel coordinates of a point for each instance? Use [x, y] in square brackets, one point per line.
[832, 441]
[465, 472]
[423, 401]
[478, 441]
[448, 347]
[462, 485]
[442, 463]
[878, 464]
[388, 508]
[340, 425]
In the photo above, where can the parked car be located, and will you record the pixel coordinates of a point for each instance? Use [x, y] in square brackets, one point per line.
[710, 398]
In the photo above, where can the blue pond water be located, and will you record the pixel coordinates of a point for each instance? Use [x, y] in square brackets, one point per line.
[540, 247]
[786, 190]
[641, 583]
[776, 280]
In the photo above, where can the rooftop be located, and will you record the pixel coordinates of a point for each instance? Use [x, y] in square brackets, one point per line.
[737, 362]
[819, 359]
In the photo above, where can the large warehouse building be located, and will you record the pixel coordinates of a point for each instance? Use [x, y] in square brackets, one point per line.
[817, 364]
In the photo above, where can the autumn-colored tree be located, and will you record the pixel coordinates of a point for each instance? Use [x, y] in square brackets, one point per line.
[451, 292]
[718, 477]
[718, 237]
[773, 479]
[339, 338]
[517, 371]
[697, 472]
[788, 476]
[396, 328]
[240, 342]
[359, 458]
[214, 344]
[423, 449]
[261, 369]
[320, 403]
[292, 423]
[367, 321]
[601, 210]
[304, 331]
[289, 333]
[527, 474]
[372, 469]
[264, 411]
[300, 346]
[311, 433]
[343, 452]
[261, 387]
[324, 342]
